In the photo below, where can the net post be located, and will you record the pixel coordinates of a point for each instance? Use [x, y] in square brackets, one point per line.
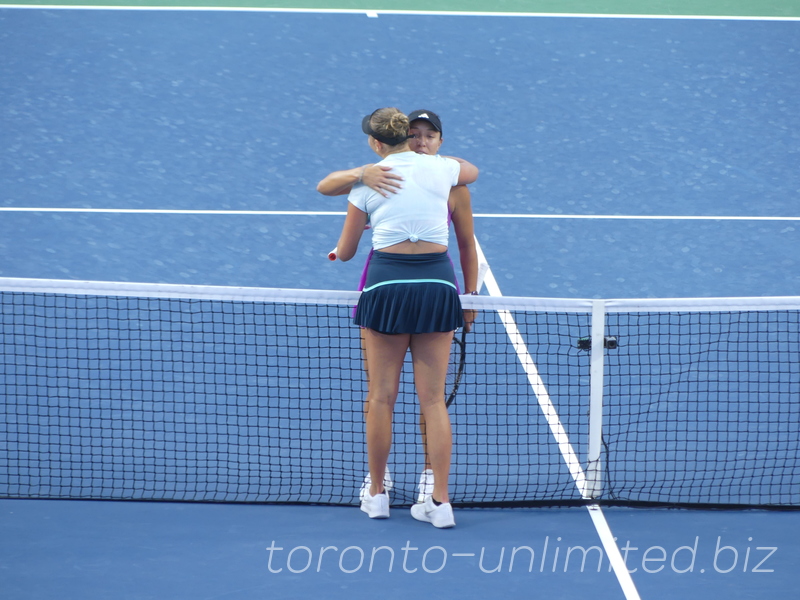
[594, 471]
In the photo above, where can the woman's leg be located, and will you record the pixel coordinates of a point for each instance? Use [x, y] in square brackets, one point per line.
[385, 354]
[366, 405]
[430, 354]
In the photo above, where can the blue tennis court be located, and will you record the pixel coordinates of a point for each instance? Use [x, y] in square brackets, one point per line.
[620, 158]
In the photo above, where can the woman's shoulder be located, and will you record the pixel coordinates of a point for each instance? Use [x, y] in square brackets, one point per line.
[433, 157]
[434, 160]
[400, 157]
[411, 160]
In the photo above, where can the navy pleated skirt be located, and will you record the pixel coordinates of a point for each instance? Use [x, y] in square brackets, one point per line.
[410, 293]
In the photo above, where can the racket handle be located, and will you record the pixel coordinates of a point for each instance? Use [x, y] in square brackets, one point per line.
[334, 254]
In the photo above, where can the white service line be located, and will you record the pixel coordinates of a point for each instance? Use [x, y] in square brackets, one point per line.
[175, 211]
[637, 217]
[323, 213]
[559, 433]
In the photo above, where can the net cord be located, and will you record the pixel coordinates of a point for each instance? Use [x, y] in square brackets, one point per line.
[336, 297]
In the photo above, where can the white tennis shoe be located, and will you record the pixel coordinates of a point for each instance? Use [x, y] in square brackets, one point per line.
[425, 485]
[377, 507]
[439, 516]
[388, 484]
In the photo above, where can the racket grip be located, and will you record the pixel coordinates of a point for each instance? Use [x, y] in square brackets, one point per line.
[334, 254]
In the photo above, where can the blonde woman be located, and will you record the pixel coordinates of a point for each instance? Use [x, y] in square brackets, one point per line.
[425, 137]
[409, 301]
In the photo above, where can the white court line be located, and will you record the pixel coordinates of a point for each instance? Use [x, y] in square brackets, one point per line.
[545, 403]
[171, 211]
[314, 213]
[377, 13]
[639, 217]
[559, 433]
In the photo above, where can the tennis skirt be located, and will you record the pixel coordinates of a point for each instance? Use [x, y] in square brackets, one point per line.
[409, 293]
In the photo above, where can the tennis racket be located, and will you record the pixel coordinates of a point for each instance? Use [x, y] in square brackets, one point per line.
[455, 370]
[458, 352]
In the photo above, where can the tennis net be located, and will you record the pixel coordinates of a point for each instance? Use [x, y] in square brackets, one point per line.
[156, 392]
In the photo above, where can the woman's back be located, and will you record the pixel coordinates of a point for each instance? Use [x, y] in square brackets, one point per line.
[419, 211]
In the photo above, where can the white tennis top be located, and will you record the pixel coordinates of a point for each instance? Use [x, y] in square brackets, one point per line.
[419, 210]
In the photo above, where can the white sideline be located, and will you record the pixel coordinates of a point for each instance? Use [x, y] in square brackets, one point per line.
[567, 452]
